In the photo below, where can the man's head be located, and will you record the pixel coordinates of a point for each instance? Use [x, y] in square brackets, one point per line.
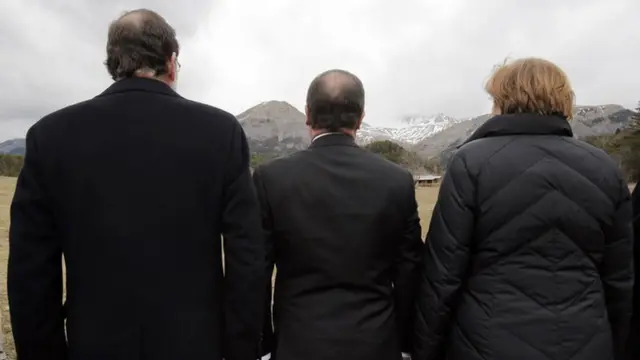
[335, 103]
[530, 85]
[141, 43]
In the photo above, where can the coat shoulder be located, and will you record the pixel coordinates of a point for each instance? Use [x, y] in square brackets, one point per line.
[80, 110]
[482, 150]
[381, 167]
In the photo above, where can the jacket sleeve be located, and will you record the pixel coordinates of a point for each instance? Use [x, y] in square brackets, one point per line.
[447, 251]
[244, 255]
[35, 266]
[268, 342]
[633, 342]
[617, 271]
[407, 266]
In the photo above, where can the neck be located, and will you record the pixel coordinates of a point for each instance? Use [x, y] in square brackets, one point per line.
[317, 132]
[151, 75]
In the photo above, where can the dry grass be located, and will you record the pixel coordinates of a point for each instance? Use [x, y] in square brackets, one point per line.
[426, 199]
[6, 194]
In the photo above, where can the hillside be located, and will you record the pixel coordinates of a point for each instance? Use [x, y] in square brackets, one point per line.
[275, 128]
[410, 130]
[450, 137]
[623, 146]
[398, 154]
[13, 147]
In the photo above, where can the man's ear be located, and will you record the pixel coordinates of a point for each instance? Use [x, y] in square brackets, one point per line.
[308, 118]
[172, 66]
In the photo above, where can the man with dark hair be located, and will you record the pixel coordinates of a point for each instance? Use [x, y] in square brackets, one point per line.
[139, 42]
[343, 229]
[135, 187]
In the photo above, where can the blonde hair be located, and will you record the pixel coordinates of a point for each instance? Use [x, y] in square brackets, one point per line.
[531, 85]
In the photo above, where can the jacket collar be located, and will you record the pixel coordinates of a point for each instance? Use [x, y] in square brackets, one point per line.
[333, 139]
[139, 84]
[522, 124]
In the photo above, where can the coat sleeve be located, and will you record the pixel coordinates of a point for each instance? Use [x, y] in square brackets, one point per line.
[633, 342]
[617, 271]
[34, 278]
[447, 250]
[406, 268]
[268, 342]
[244, 255]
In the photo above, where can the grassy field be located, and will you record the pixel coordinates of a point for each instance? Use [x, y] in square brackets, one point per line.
[426, 198]
[6, 194]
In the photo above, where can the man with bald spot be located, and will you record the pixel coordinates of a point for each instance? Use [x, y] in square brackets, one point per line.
[135, 187]
[342, 227]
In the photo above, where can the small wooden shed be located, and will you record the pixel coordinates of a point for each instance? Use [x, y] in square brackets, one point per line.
[427, 180]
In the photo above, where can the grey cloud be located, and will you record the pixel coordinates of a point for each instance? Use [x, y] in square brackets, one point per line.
[425, 56]
[90, 18]
[598, 59]
[57, 47]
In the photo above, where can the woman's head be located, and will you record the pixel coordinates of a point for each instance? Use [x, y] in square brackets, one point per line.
[530, 85]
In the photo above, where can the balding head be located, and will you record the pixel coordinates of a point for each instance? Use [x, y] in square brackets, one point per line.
[141, 40]
[335, 101]
[134, 18]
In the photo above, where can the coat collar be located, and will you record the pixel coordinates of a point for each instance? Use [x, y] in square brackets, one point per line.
[522, 124]
[333, 139]
[139, 84]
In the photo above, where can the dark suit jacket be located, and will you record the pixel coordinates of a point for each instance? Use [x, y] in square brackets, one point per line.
[634, 334]
[343, 230]
[135, 188]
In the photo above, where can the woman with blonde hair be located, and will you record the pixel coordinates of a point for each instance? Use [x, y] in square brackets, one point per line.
[529, 251]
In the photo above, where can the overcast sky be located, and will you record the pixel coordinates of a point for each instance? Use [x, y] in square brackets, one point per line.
[414, 56]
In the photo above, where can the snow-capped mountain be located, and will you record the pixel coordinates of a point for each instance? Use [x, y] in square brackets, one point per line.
[278, 127]
[410, 130]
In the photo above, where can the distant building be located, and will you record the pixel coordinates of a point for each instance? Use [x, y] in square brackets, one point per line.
[426, 180]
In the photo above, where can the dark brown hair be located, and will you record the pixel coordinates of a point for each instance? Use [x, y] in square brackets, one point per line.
[139, 39]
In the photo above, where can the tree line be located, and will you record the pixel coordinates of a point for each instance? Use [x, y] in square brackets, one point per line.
[389, 150]
[10, 165]
[403, 157]
[623, 147]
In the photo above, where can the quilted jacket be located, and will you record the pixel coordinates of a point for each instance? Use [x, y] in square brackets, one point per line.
[529, 252]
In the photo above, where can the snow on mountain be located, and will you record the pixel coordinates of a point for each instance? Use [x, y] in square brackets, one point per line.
[410, 129]
[277, 127]
[368, 133]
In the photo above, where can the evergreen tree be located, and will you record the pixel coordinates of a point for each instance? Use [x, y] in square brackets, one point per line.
[635, 119]
[387, 149]
[10, 165]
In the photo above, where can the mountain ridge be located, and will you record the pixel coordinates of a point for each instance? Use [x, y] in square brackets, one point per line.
[410, 130]
[275, 128]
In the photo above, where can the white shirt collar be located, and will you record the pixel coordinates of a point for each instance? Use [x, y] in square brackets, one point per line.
[326, 134]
